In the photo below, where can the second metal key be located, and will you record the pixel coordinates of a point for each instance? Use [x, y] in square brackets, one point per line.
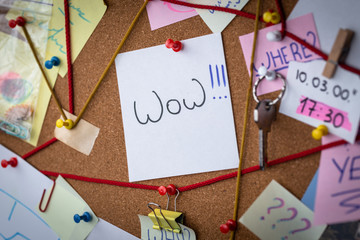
[264, 115]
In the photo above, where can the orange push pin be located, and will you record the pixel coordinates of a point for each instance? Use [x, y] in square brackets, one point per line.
[273, 17]
[68, 123]
[319, 132]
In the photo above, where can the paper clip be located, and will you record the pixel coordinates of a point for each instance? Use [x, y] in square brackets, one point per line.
[42, 198]
[14, 129]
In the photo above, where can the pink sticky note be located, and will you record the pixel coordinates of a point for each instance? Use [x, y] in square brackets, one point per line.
[277, 55]
[338, 190]
[163, 13]
[321, 111]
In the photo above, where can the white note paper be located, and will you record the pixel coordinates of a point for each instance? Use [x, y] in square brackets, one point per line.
[176, 109]
[21, 189]
[315, 99]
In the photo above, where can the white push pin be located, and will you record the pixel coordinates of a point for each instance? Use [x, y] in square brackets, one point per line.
[274, 36]
[269, 75]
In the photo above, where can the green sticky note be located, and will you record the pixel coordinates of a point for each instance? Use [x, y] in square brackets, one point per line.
[64, 204]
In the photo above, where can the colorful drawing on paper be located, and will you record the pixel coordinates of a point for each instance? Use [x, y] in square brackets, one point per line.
[13, 88]
[13, 220]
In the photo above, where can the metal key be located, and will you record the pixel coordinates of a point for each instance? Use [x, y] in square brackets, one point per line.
[264, 115]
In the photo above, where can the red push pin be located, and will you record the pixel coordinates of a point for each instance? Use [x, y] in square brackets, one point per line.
[175, 45]
[171, 189]
[12, 162]
[229, 226]
[20, 21]
[162, 190]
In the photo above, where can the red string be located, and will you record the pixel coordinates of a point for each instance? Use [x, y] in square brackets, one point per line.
[204, 183]
[35, 150]
[103, 181]
[282, 15]
[68, 55]
[252, 16]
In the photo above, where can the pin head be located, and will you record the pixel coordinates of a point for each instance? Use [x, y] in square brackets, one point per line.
[54, 61]
[271, 17]
[20, 21]
[169, 43]
[162, 190]
[171, 189]
[274, 36]
[231, 224]
[12, 23]
[224, 228]
[319, 132]
[177, 46]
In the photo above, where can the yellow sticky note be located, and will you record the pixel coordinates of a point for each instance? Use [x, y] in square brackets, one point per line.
[65, 202]
[81, 138]
[84, 17]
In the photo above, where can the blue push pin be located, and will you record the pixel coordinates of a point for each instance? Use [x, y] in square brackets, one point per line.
[55, 61]
[86, 217]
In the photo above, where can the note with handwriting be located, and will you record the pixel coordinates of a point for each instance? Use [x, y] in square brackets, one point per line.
[176, 109]
[106, 231]
[216, 20]
[277, 214]
[64, 203]
[84, 17]
[277, 55]
[338, 190]
[21, 188]
[315, 99]
[148, 232]
[162, 13]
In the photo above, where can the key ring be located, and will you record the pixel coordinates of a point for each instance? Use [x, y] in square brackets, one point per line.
[278, 75]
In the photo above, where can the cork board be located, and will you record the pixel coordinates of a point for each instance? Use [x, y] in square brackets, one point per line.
[204, 208]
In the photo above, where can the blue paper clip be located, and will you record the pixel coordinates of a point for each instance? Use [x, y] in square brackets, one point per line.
[14, 129]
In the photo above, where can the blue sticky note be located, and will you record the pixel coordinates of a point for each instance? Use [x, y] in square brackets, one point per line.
[309, 196]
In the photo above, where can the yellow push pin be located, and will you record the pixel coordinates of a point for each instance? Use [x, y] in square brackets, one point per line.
[68, 123]
[273, 17]
[319, 132]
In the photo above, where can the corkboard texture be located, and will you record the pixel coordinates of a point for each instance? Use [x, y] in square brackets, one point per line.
[205, 208]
